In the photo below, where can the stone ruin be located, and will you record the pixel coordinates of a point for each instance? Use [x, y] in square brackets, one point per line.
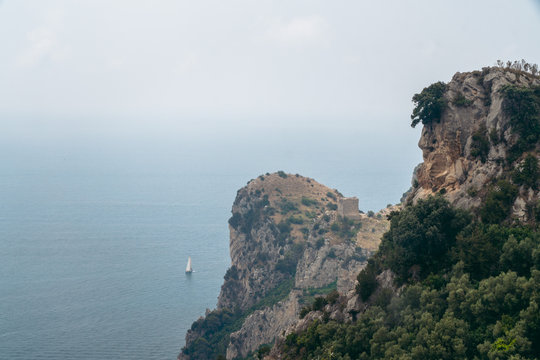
[348, 207]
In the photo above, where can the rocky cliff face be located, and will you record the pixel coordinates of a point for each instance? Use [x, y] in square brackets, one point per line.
[469, 147]
[286, 245]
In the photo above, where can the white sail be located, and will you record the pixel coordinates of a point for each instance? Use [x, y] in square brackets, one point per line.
[188, 267]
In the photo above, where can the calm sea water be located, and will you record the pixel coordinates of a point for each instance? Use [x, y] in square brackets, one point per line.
[93, 245]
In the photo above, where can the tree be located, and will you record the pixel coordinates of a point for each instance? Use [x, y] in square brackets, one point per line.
[429, 104]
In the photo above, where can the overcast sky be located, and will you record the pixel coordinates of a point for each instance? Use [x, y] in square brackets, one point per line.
[181, 65]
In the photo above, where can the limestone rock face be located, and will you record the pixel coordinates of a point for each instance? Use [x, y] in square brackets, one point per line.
[263, 326]
[340, 262]
[446, 145]
[281, 234]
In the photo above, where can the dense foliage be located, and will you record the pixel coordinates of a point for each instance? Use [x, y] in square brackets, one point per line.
[475, 295]
[480, 143]
[429, 104]
[522, 105]
[420, 238]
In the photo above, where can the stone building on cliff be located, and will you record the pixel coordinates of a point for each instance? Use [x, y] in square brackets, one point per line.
[348, 208]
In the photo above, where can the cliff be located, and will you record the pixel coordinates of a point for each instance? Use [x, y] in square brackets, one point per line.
[471, 214]
[476, 141]
[446, 278]
[287, 244]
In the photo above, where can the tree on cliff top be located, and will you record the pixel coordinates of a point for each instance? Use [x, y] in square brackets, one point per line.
[429, 104]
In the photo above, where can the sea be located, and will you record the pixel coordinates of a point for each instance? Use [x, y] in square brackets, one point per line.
[95, 231]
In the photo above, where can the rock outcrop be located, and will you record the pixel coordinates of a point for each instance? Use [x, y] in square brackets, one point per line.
[287, 244]
[474, 113]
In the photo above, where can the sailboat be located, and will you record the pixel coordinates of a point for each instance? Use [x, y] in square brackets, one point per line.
[189, 269]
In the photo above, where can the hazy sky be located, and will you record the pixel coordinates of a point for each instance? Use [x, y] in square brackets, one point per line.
[182, 65]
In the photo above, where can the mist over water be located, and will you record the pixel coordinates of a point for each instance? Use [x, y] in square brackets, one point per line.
[95, 232]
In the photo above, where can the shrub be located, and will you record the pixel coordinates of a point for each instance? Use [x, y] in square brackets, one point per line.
[480, 143]
[304, 311]
[420, 238]
[367, 281]
[308, 202]
[332, 297]
[527, 172]
[370, 213]
[282, 174]
[319, 303]
[287, 206]
[461, 101]
[429, 104]
[295, 220]
[331, 195]
[498, 202]
[522, 105]
[331, 206]
[284, 227]
[263, 351]
[494, 136]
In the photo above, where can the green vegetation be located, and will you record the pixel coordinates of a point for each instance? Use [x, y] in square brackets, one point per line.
[214, 330]
[317, 298]
[286, 206]
[522, 105]
[331, 206]
[429, 104]
[472, 293]
[331, 195]
[287, 265]
[461, 101]
[527, 172]
[420, 238]
[297, 220]
[282, 174]
[244, 222]
[345, 228]
[498, 202]
[480, 143]
[309, 202]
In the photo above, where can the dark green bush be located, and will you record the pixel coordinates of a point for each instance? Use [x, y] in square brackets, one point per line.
[367, 282]
[527, 172]
[287, 206]
[480, 143]
[332, 297]
[319, 303]
[498, 202]
[304, 311]
[522, 105]
[461, 101]
[331, 206]
[282, 174]
[308, 202]
[429, 104]
[420, 238]
[297, 220]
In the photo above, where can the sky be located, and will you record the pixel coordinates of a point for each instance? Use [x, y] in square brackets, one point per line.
[188, 64]
[106, 84]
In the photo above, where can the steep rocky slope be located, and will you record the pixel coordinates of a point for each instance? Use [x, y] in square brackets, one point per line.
[469, 148]
[481, 155]
[287, 244]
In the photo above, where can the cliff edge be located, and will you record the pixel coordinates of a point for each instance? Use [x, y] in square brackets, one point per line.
[479, 138]
[287, 245]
